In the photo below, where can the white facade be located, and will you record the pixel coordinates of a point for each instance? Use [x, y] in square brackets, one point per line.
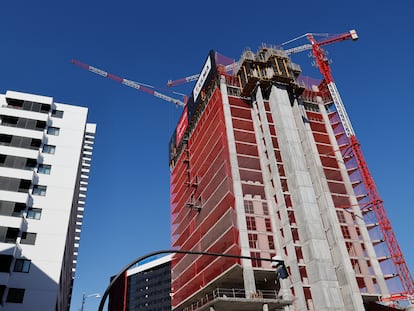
[45, 153]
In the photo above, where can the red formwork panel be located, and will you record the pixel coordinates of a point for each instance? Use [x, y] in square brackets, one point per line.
[203, 173]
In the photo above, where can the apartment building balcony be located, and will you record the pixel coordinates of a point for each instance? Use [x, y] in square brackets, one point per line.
[21, 197]
[12, 111]
[232, 299]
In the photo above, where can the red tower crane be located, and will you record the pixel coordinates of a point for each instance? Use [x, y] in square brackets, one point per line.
[195, 76]
[136, 85]
[374, 198]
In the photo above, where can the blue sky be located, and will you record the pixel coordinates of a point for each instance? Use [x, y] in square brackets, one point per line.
[127, 212]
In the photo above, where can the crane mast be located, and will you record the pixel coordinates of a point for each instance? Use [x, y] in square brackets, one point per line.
[374, 198]
[130, 83]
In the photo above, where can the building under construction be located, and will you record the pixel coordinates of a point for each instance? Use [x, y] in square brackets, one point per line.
[265, 163]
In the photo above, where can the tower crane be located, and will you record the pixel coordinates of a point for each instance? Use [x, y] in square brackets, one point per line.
[136, 85]
[195, 76]
[345, 36]
[374, 198]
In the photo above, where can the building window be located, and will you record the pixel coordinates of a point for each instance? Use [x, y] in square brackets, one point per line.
[268, 224]
[252, 240]
[5, 263]
[345, 232]
[13, 209]
[248, 207]
[271, 242]
[57, 114]
[15, 295]
[44, 169]
[251, 223]
[39, 190]
[265, 208]
[341, 216]
[34, 213]
[28, 238]
[40, 125]
[22, 265]
[49, 149]
[53, 130]
[256, 262]
[11, 234]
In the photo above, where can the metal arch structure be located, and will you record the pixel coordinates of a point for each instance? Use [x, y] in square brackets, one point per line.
[172, 251]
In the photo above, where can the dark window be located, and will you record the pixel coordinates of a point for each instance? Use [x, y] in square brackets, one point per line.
[28, 238]
[17, 162]
[15, 295]
[345, 232]
[24, 185]
[9, 120]
[53, 130]
[49, 149]
[5, 139]
[248, 207]
[268, 224]
[45, 108]
[14, 103]
[27, 105]
[24, 123]
[265, 208]
[5, 262]
[2, 290]
[20, 141]
[34, 213]
[14, 184]
[30, 164]
[10, 234]
[251, 223]
[271, 242]
[39, 190]
[44, 169]
[57, 114]
[8, 208]
[341, 216]
[35, 143]
[40, 125]
[22, 265]
[256, 262]
[253, 240]
[18, 210]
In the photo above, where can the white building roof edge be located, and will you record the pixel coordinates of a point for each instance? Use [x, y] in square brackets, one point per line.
[149, 265]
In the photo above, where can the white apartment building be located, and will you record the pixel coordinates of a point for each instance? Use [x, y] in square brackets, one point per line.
[45, 153]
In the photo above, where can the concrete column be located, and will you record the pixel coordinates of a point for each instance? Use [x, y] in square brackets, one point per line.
[340, 257]
[265, 146]
[319, 266]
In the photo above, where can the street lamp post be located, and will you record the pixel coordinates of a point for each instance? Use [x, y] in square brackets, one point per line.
[274, 261]
[96, 295]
